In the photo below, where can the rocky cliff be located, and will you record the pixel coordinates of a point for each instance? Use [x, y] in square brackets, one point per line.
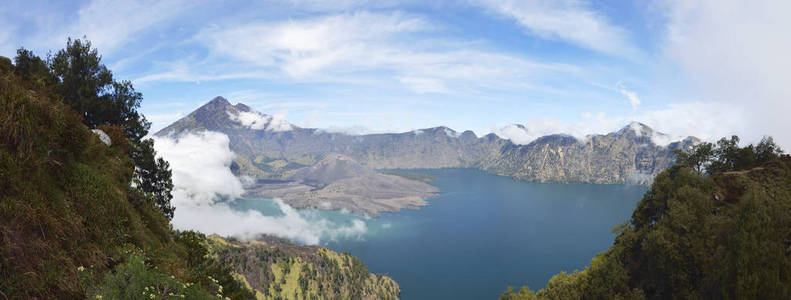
[626, 156]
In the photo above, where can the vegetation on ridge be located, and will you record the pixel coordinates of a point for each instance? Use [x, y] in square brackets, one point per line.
[277, 269]
[717, 225]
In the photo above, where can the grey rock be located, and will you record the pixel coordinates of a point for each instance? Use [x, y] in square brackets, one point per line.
[102, 137]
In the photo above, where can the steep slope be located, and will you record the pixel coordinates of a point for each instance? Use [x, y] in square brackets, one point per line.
[278, 269]
[339, 182]
[724, 236]
[73, 227]
[267, 147]
[69, 219]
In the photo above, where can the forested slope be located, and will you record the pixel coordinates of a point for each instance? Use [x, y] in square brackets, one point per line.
[717, 225]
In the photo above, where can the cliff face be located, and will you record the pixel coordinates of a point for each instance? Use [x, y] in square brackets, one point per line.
[621, 157]
[269, 147]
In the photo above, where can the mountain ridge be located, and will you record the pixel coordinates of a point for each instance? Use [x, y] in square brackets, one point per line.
[629, 155]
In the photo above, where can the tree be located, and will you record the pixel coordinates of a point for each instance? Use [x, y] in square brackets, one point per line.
[766, 150]
[84, 81]
[153, 176]
[32, 68]
[6, 66]
[698, 157]
[524, 294]
[727, 156]
[89, 88]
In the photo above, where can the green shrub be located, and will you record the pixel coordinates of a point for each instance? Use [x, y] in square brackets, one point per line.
[134, 279]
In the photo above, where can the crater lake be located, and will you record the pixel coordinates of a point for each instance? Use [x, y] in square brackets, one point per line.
[482, 233]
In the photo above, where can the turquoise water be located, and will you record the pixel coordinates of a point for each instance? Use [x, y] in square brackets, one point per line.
[483, 233]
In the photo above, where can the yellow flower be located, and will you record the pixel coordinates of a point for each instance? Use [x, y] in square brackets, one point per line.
[81, 268]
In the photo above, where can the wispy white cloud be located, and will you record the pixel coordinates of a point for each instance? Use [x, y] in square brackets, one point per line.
[111, 23]
[302, 47]
[386, 49]
[342, 5]
[632, 96]
[572, 21]
[259, 121]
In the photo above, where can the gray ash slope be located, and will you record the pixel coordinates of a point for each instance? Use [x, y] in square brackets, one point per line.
[271, 148]
[338, 182]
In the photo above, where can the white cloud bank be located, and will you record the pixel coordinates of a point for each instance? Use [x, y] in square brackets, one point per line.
[202, 178]
[200, 164]
[737, 54]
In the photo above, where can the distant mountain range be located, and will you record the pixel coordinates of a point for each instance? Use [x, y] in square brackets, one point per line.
[270, 147]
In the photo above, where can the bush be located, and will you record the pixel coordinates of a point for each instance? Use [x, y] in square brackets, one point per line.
[133, 279]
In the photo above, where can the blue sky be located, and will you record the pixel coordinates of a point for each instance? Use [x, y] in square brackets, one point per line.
[703, 68]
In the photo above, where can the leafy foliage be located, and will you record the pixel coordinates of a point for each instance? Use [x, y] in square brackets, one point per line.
[717, 225]
[153, 176]
[206, 270]
[726, 155]
[523, 294]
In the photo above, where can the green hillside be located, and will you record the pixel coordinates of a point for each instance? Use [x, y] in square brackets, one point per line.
[71, 224]
[717, 225]
[277, 269]
[81, 219]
